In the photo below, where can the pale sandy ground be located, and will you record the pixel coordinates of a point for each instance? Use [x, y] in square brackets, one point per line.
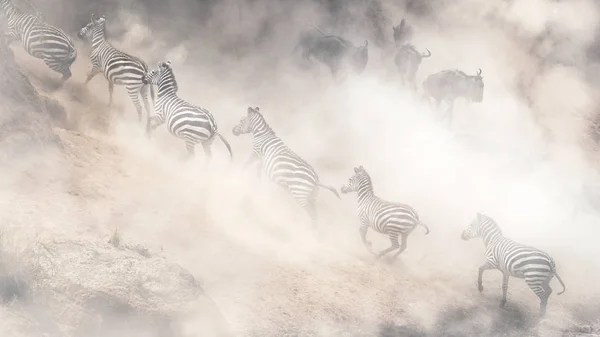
[253, 249]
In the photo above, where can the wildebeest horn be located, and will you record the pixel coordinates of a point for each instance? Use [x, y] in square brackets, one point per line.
[479, 72]
[426, 55]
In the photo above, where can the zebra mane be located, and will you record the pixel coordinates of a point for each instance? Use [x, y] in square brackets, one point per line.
[166, 67]
[490, 222]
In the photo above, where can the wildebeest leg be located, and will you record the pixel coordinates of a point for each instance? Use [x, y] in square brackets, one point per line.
[449, 111]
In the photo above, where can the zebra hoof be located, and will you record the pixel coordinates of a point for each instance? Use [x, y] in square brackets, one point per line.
[480, 288]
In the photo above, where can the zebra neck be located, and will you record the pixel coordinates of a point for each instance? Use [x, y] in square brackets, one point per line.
[166, 91]
[491, 236]
[365, 193]
[99, 38]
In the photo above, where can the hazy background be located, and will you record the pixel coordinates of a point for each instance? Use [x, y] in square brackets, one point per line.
[526, 156]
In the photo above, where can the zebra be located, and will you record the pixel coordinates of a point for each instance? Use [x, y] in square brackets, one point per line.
[282, 165]
[448, 85]
[40, 39]
[391, 218]
[189, 122]
[118, 67]
[513, 259]
[408, 60]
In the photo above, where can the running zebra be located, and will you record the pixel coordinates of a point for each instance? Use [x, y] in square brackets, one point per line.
[513, 259]
[118, 67]
[393, 219]
[280, 163]
[191, 123]
[40, 39]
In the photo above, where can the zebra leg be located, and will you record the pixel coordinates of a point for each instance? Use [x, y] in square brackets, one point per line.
[483, 268]
[505, 277]
[364, 227]
[542, 291]
[311, 209]
[144, 93]
[153, 122]
[403, 245]
[207, 146]
[395, 245]
[111, 87]
[91, 73]
[134, 95]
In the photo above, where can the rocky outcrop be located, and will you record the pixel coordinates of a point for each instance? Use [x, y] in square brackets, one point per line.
[70, 287]
[26, 117]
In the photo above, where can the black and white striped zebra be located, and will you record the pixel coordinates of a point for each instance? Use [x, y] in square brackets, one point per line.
[118, 67]
[189, 122]
[513, 259]
[282, 165]
[394, 219]
[40, 39]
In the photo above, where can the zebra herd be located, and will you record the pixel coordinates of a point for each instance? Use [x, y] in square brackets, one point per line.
[282, 165]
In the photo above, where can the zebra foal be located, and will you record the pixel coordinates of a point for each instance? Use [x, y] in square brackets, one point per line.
[186, 121]
[118, 67]
[40, 39]
[282, 165]
[513, 259]
[394, 219]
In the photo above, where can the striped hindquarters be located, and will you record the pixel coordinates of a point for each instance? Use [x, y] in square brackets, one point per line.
[524, 261]
[45, 41]
[390, 218]
[192, 123]
[120, 68]
[287, 168]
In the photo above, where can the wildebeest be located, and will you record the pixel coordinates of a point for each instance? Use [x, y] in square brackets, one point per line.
[333, 51]
[402, 33]
[448, 85]
[408, 60]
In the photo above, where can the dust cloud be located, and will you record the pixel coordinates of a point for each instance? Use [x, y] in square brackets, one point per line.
[526, 156]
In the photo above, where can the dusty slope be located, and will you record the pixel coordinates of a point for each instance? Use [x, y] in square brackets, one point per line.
[266, 273]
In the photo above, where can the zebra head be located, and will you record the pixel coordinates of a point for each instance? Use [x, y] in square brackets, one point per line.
[356, 180]
[474, 229]
[474, 87]
[162, 74]
[86, 31]
[245, 124]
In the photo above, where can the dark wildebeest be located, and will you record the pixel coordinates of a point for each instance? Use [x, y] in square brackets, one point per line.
[448, 85]
[408, 60]
[333, 51]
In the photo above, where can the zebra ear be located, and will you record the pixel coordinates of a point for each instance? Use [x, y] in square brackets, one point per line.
[93, 17]
[168, 63]
[356, 170]
[257, 109]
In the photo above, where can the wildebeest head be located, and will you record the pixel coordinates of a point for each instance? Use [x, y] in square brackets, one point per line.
[360, 57]
[402, 33]
[475, 87]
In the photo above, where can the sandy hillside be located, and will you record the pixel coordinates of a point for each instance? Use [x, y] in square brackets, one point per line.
[522, 157]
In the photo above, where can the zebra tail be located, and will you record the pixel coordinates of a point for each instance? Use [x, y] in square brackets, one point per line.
[424, 226]
[561, 283]
[333, 190]
[226, 144]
